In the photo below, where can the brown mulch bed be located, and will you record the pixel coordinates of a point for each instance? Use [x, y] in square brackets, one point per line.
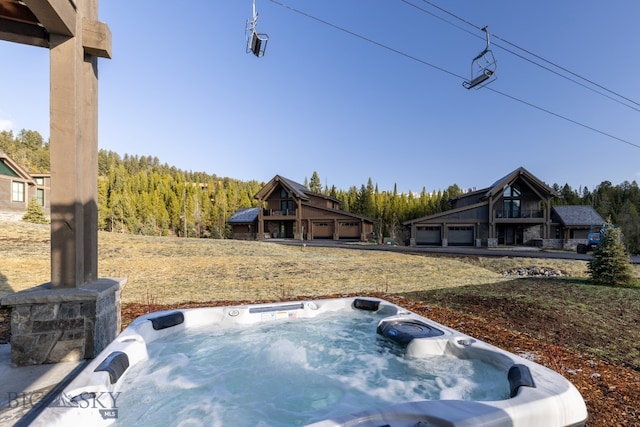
[611, 392]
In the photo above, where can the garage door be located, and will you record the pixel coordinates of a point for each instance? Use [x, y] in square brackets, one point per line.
[323, 230]
[461, 236]
[428, 236]
[349, 230]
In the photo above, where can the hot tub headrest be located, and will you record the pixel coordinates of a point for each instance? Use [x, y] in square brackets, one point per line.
[366, 304]
[167, 320]
[115, 364]
[403, 331]
[519, 376]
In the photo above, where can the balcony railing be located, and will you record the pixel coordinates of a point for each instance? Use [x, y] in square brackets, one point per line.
[523, 213]
[273, 212]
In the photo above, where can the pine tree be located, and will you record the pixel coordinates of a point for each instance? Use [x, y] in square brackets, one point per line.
[35, 213]
[315, 185]
[610, 263]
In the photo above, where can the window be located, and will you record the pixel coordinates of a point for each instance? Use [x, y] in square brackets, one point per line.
[40, 196]
[511, 191]
[286, 206]
[39, 181]
[17, 191]
[512, 208]
[284, 194]
[511, 202]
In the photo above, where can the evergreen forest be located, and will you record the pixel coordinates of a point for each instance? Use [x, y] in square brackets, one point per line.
[141, 195]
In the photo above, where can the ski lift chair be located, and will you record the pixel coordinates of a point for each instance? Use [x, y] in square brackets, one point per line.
[483, 68]
[256, 42]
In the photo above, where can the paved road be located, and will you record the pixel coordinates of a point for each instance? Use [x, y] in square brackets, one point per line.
[451, 250]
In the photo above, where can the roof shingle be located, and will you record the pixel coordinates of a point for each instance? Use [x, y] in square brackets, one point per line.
[577, 215]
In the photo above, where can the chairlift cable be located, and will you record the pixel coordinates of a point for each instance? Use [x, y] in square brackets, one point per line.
[444, 20]
[591, 128]
[570, 79]
[529, 53]
[508, 50]
[571, 72]
[406, 55]
[366, 38]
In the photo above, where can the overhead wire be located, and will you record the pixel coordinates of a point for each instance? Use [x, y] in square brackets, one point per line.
[494, 36]
[365, 38]
[563, 117]
[414, 58]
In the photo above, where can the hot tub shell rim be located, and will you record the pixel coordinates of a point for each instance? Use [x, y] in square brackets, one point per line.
[552, 391]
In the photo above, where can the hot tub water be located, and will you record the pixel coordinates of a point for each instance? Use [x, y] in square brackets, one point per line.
[291, 373]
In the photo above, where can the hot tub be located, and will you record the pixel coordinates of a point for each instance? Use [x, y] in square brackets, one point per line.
[337, 362]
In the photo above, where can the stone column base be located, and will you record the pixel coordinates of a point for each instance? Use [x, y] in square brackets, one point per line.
[59, 325]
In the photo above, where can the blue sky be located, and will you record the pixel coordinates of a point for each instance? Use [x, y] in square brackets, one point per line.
[181, 87]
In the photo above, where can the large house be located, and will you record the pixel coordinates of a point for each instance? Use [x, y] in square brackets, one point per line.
[289, 210]
[514, 210]
[18, 187]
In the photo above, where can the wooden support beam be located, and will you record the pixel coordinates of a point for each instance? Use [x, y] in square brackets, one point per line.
[57, 16]
[96, 38]
[24, 33]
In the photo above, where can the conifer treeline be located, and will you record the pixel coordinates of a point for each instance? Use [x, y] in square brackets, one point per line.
[28, 149]
[140, 195]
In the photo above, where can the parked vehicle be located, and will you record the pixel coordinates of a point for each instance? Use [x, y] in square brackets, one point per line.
[596, 232]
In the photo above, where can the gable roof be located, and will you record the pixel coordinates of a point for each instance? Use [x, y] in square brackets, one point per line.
[500, 184]
[299, 191]
[577, 215]
[497, 187]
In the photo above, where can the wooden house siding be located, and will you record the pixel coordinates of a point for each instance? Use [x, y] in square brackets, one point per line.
[243, 232]
[9, 208]
[314, 212]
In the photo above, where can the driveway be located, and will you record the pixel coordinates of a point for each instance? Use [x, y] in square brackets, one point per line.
[505, 251]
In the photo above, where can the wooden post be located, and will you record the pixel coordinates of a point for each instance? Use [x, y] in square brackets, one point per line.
[74, 148]
[76, 315]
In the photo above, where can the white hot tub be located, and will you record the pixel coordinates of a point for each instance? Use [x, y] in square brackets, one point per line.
[338, 362]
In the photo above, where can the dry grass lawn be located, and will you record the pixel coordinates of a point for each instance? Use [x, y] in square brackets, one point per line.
[171, 270]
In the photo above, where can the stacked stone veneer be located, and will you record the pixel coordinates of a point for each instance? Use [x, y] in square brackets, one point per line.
[56, 325]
